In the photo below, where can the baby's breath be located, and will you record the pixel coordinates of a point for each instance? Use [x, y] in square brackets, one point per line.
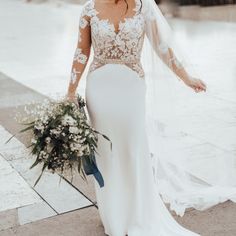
[61, 135]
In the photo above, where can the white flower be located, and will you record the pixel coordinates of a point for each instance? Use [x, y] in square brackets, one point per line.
[82, 140]
[34, 141]
[74, 130]
[80, 153]
[55, 131]
[48, 140]
[68, 120]
[43, 155]
[75, 146]
[39, 127]
[43, 118]
[86, 149]
[86, 132]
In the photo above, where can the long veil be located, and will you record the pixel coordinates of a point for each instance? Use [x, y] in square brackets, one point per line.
[184, 180]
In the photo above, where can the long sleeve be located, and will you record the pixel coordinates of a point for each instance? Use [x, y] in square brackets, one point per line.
[160, 38]
[82, 52]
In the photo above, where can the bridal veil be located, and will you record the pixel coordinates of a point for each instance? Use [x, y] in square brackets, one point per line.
[180, 181]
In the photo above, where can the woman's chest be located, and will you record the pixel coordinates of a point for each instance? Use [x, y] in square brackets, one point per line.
[130, 28]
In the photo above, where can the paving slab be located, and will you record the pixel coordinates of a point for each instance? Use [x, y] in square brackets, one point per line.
[56, 195]
[59, 194]
[86, 222]
[4, 137]
[86, 188]
[8, 219]
[216, 221]
[83, 222]
[14, 191]
[34, 212]
[9, 232]
[17, 155]
[13, 94]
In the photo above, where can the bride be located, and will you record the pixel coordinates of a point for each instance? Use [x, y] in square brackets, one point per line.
[129, 203]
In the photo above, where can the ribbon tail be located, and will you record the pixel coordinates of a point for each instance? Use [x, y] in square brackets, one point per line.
[98, 176]
[90, 168]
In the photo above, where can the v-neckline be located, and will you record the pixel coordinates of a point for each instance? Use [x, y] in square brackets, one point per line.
[117, 30]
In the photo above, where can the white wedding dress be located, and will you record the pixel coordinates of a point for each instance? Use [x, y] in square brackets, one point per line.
[129, 203]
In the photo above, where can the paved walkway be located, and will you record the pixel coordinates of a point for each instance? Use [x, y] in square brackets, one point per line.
[35, 61]
[65, 209]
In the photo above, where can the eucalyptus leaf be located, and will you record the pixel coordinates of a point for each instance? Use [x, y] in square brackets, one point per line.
[59, 152]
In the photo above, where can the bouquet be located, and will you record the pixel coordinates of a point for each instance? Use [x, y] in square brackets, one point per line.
[63, 139]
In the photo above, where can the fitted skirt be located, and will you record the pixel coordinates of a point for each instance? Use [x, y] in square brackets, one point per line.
[129, 202]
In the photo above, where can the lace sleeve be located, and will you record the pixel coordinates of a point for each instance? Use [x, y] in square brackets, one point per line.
[82, 51]
[159, 35]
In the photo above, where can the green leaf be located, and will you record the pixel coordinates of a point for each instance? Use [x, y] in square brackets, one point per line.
[35, 163]
[79, 165]
[10, 138]
[44, 166]
[28, 123]
[83, 175]
[31, 145]
[104, 136]
[27, 128]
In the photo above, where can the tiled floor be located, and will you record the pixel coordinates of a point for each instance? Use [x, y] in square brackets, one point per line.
[50, 197]
[16, 194]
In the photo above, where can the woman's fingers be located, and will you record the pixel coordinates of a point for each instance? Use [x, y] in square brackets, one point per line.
[203, 85]
[199, 86]
[73, 99]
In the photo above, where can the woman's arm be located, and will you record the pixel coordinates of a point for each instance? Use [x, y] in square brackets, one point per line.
[196, 84]
[81, 55]
[166, 54]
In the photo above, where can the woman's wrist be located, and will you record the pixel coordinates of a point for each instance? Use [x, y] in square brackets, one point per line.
[71, 95]
[186, 78]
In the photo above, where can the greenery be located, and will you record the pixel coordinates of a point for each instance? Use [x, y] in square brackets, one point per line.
[61, 136]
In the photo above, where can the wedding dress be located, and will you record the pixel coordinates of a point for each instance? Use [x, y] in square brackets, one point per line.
[129, 203]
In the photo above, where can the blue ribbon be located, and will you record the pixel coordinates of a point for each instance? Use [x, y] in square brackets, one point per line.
[90, 168]
[89, 163]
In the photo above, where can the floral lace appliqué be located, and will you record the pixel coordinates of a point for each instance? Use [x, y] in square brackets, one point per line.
[80, 57]
[123, 46]
[74, 74]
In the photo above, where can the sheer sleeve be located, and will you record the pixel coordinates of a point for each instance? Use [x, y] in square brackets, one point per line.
[160, 37]
[82, 51]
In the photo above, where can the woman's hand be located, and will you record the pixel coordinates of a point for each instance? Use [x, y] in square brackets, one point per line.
[72, 98]
[196, 84]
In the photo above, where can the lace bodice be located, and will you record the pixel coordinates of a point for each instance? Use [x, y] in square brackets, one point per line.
[115, 46]
[111, 44]
[122, 46]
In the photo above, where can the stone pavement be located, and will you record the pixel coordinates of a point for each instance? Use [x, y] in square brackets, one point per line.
[66, 209]
[35, 61]
[20, 202]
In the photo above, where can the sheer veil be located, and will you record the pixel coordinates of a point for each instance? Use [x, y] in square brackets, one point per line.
[183, 181]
